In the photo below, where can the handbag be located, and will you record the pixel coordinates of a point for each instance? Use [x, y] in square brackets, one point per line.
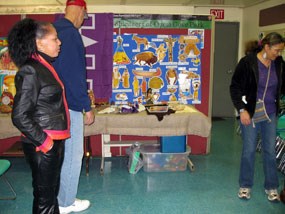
[260, 113]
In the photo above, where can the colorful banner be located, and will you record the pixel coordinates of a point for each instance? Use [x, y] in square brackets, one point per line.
[6, 63]
[153, 68]
[7, 75]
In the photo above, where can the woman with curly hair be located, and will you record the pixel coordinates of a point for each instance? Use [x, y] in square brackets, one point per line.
[40, 111]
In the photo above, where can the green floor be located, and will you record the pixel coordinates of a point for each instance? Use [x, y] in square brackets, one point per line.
[211, 188]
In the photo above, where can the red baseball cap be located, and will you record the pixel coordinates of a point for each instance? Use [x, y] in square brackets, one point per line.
[81, 3]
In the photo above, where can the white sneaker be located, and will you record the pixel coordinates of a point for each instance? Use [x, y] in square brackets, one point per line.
[244, 193]
[272, 195]
[77, 206]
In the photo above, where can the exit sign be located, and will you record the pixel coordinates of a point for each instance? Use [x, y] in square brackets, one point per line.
[218, 13]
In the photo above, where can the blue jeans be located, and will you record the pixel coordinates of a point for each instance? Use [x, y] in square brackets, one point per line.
[268, 141]
[71, 167]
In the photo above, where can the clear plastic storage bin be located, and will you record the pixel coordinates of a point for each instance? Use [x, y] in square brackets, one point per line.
[155, 161]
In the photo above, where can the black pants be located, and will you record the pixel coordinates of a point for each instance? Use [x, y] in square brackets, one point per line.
[46, 176]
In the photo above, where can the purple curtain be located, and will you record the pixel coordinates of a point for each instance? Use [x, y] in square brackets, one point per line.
[97, 33]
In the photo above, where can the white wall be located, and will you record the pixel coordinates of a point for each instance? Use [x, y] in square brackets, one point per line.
[251, 27]
[251, 18]
[230, 15]
[248, 19]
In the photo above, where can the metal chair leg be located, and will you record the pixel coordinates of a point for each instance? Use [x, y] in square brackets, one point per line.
[11, 188]
[280, 149]
[282, 161]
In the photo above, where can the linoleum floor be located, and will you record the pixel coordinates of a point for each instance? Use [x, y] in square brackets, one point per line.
[211, 188]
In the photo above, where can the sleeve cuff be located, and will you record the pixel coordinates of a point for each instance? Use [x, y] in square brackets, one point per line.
[46, 146]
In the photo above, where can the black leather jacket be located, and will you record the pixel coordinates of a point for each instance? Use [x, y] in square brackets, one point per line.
[245, 79]
[38, 103]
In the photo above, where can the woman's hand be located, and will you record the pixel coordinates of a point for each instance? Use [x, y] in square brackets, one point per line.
[245, 118]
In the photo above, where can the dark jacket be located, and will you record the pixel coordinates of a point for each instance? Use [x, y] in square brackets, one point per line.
[38, 103]
[245, 80]
[71, 67]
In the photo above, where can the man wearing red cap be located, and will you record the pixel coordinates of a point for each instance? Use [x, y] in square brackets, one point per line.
[71, 68]
[81, 3]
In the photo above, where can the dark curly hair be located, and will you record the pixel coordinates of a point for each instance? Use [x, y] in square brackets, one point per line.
[22, 39]
[252, 47]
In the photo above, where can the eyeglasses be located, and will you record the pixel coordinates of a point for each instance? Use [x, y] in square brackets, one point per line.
[278, 51]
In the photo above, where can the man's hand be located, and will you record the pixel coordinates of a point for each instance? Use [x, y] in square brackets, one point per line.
[89, 118]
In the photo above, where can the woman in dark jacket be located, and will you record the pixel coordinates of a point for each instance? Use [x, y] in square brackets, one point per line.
[259, 76]
[40, 111]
